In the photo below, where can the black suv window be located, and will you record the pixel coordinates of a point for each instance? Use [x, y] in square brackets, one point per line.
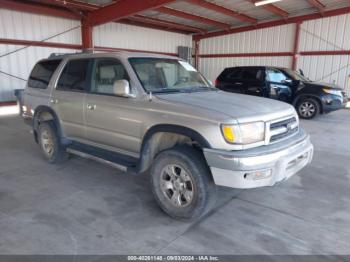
[234, 73]
[106, 72]
[42, 73]
[74, 74]
[276, 76]
[252, 73]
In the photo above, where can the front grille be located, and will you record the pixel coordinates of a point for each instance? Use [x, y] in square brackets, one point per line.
[283, 129]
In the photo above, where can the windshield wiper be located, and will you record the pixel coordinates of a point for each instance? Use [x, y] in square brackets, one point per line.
[201, 88]
[166, 90]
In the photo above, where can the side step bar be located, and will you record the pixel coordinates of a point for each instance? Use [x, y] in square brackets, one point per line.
[97, 159]
[113, 159]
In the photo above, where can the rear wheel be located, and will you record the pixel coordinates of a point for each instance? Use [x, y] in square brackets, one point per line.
[182, 183]
[49, 142]
[308, 108]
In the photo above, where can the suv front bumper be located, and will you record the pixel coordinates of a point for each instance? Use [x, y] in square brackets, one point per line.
[262, 166]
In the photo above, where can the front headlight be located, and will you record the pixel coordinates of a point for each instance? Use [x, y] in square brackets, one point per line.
[244, 134]
[332, 91]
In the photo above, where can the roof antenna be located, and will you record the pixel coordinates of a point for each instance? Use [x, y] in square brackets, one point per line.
[150, 96]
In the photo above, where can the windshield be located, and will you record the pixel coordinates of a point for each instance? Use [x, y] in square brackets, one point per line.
[297, 76]
[159, 75]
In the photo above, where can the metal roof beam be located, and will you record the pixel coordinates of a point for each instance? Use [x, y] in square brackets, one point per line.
[70, 4]
[122, 9]
[192, 17]
[38, 9]
[290, 20]
[224, 10]
[317, 4]
[166, 24]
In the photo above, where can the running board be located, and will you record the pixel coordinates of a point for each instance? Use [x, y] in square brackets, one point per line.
[120, 161]
[97, 159]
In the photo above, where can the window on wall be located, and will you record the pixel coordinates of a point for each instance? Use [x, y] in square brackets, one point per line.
[73, 77]
[106, 72]
[42, 73]
[276, 76]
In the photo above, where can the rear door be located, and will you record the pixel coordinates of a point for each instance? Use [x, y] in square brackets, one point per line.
[68, 98]
[230, 80]
[253, 81]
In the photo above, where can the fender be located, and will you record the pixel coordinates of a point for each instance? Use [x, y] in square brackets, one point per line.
[145, 159]
[296, 99]
[40, 109]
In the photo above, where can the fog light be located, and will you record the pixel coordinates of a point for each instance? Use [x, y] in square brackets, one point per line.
[257, 175]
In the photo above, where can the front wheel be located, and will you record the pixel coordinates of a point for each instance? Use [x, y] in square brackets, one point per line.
[308, 108]
[182, 183]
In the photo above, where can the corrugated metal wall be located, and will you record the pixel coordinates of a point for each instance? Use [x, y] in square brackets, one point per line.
[274, 39]
[27, 26]
[327, 34]
[139, 38]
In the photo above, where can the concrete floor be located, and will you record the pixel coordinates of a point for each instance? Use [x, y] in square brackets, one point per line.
[83, 207]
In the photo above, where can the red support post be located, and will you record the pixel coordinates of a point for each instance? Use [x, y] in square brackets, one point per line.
[196, 53]
[86, 34]
[296, 45]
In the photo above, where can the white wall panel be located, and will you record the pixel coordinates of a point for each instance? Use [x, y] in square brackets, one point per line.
[133, 37]
[326, 34]
[273, 39]
[20, 64]
[212, 67]
[28, 26]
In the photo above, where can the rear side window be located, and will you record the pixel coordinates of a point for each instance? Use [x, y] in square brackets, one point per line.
[252, 74]
[234, 73]
[42, 73]
[74, 76]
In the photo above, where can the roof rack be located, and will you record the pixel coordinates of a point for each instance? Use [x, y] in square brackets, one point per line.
[57, 55]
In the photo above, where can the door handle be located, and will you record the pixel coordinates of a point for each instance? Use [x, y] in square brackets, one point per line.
[54, 101]
[238, 83]
[91, 107]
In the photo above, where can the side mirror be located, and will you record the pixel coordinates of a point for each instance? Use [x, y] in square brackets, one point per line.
[122, 88]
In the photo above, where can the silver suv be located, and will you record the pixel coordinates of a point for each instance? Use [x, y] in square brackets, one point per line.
[140, 112]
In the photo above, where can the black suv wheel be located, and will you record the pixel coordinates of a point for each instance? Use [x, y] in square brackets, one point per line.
[182, 183]
[308, 108]
[49, 142]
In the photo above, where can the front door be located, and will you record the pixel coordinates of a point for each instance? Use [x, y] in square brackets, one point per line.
[112, 122]
[68, 98]
[279, 85]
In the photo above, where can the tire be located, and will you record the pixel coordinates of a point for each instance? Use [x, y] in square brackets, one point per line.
[49, 143]
[182, 171]
[308, 108]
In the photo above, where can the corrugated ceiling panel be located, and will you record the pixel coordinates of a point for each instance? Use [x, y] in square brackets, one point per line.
[328, 69]
[139, 38]
[28, 26]
[326, 34]
[273, 39]
[212, 67]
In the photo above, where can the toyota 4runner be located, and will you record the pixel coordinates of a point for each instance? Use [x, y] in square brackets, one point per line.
[140, 112]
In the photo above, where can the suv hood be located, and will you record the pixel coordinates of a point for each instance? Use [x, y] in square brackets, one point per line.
[323, 85]
[241, 107]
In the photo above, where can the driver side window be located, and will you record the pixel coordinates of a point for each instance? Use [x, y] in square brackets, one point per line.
[105, 73]
[274, 75]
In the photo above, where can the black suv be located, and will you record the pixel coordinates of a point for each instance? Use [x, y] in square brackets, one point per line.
[309, 98]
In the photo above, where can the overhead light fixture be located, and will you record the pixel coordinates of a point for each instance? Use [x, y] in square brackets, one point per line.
[266, 2]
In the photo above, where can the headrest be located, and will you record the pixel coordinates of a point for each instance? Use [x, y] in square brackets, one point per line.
[107, 72]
